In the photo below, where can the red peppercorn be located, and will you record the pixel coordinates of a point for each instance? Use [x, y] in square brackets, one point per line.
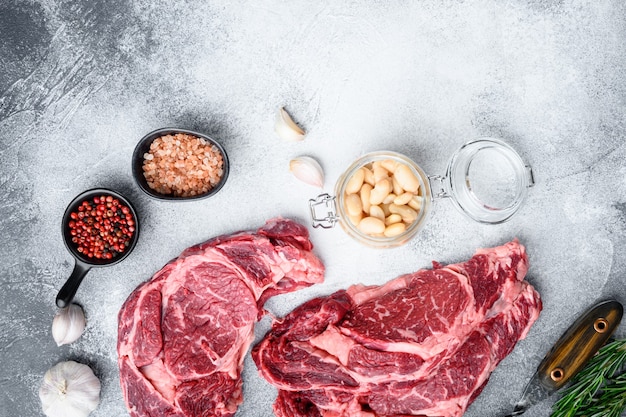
[101, 227]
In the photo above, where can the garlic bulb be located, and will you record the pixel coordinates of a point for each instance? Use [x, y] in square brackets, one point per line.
[68, 324]
[308, 170]
[286, 128]
[69, 389]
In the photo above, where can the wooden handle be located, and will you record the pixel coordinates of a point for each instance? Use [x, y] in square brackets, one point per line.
[579, 343]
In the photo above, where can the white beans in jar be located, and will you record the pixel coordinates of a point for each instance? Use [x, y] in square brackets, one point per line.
[383, 198]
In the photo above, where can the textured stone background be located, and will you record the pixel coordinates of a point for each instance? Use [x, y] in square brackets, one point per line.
[81, 82]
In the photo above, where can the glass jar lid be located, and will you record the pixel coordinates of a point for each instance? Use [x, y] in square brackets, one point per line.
[487, 180]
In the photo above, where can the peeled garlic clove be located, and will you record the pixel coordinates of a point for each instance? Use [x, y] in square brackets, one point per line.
[308, 170]
[69, 389]
[286, 128]
[68, 324]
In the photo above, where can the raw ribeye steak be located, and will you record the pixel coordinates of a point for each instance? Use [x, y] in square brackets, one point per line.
[423, 344]
[183, 334]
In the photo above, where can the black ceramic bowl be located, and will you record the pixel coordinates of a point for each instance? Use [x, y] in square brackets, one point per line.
[144, 146]
[83, 263]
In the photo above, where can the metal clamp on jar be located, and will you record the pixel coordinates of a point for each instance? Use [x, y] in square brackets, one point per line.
[384, 198]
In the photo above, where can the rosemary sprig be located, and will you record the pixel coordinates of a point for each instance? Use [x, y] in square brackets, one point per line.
[599, 390]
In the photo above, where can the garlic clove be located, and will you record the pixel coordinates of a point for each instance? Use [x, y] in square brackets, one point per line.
[286, 128]
[307, 170]
[68, 324]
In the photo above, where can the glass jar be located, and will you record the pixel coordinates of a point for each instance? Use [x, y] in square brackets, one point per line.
[485, 178]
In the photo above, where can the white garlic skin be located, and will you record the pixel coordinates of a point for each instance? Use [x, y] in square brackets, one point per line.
[286, 128]
[69, 389]
[68, 324]
[308, 170]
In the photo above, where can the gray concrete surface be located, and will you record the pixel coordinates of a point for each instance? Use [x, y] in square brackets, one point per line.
[82, 81]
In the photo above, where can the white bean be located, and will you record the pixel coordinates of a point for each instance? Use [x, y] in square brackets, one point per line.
[371, 225]
[406, 178]
[354, 207]
[416, 202]
[397, 189]
[394, 229]
[355, 220]
[380, 173]
[403, 199]
[408, 214]
[369, 176]
[393, 218]
[390, 165]
[380, 191]
[366, 191]
[377, 211]
[355, 182]
[389, 199]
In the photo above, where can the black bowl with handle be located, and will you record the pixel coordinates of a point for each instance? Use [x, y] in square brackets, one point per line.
[82, 262]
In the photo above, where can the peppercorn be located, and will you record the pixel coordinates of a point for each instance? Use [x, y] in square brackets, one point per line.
[101, 227]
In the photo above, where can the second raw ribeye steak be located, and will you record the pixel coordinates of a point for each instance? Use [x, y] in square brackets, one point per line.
[423, 344]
